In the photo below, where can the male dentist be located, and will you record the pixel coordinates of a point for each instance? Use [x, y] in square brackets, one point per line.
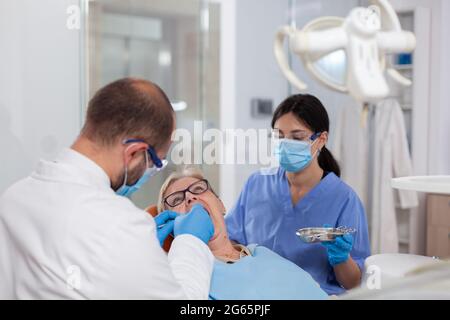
[69, 230]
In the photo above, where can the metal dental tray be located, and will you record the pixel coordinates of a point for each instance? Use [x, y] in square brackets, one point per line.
[315, 235]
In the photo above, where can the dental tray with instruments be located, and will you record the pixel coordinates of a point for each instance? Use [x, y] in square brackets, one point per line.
[316, 235]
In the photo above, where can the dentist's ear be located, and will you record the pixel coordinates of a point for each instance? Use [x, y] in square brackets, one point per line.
[132, 150]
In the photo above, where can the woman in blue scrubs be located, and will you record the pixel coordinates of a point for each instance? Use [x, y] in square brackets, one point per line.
[305, 191]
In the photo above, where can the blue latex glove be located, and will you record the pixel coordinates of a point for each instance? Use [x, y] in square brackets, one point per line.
[338, 251]
[197, 223]
[165, 222]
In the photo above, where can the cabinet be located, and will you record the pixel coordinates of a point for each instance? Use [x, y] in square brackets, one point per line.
[438, 226]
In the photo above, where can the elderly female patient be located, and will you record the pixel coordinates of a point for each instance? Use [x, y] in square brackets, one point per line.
[252, 272]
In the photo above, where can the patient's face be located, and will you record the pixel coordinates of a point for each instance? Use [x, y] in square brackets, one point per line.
[208, 200]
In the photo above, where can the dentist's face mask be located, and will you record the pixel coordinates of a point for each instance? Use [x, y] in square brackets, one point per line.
[127, 190]
[294, 155]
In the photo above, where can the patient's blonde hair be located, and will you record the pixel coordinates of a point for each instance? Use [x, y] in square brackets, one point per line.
[185, 172]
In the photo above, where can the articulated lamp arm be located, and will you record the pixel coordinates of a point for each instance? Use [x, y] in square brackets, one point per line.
[317, 43]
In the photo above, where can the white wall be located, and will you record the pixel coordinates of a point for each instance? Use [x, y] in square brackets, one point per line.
[431, 133]
[441, 163]
[257, 73]
[437, 149]
[39, 84]
[248, 70]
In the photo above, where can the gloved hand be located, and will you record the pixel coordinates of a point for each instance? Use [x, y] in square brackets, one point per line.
[165, 222]
[197, 223]
[339, 250]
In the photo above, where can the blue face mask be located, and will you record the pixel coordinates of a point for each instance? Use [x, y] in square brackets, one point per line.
[294, 156]
[126, 190]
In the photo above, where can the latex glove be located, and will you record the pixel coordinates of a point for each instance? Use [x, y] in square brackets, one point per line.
[338, 251]
[165, 222]
[197, 223]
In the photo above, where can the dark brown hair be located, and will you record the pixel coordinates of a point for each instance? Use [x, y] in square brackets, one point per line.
[312, 113]
[129, 108]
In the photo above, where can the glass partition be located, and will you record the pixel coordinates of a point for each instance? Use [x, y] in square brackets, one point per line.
[172, 43]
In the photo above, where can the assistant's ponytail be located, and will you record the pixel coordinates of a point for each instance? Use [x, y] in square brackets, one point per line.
[328, 163]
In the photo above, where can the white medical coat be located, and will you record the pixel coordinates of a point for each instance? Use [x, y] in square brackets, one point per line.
[65, 234]
[392, 160]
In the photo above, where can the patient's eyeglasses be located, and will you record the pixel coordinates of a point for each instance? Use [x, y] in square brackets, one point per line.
[176, 198]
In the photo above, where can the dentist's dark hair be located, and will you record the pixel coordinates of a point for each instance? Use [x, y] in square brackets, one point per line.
[129, 108]
[313, 114]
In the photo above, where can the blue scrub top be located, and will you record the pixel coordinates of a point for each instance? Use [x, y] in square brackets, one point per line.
[263, 276]
[264, 214]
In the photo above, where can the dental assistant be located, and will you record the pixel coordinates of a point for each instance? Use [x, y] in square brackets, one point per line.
[69, 230]
[305, 191]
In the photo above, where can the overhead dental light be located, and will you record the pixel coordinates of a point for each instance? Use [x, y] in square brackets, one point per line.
[178, 105]
[358, 43]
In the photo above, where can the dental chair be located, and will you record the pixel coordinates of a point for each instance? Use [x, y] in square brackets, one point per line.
[392, 267]
[403, 277]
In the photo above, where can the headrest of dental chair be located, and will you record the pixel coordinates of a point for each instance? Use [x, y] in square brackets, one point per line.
[153, 211]
[394, 266]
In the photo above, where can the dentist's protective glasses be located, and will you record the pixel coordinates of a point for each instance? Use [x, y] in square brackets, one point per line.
[177, 198]
[160, 164]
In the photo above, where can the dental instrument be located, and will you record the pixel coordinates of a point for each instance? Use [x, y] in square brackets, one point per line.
[316, 235]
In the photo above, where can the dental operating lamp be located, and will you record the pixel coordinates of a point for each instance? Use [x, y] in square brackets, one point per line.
[366, 36]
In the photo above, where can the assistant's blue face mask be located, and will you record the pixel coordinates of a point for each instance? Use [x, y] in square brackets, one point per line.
[293, 155]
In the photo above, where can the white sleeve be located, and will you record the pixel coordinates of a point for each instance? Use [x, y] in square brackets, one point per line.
[187, 258]
[135, 267]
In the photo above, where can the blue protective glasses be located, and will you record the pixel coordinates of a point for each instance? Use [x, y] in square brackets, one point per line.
[315, 136]
[276, 135]
[151, 152]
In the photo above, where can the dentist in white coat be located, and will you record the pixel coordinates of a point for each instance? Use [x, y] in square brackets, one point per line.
[69, 231]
